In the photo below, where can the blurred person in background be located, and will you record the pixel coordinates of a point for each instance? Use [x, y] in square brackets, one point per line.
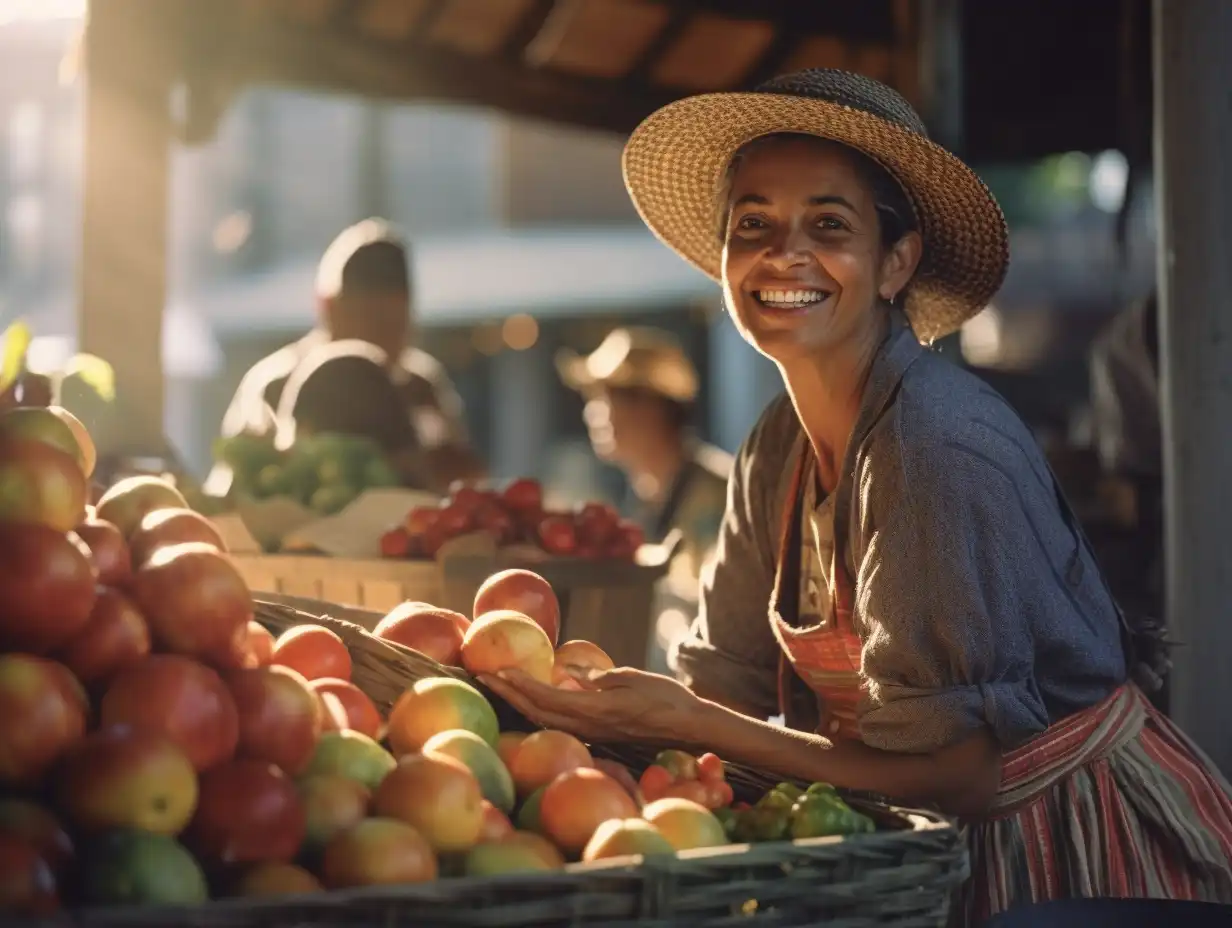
[1124, 371]
[364, 293]
[640, 390]
[341, 388]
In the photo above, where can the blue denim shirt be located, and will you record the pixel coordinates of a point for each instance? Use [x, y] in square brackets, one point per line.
[978, 601]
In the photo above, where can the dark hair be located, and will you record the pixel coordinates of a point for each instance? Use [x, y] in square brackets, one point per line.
[343, 388]
[367, 258]
[895, 214]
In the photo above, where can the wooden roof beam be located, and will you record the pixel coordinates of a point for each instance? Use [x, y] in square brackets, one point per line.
[288, 55]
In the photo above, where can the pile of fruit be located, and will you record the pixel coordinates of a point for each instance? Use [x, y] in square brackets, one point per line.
[514, 515]
[324, 472]
[159, 746]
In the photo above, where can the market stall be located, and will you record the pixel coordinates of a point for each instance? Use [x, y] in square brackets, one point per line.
[603, 64]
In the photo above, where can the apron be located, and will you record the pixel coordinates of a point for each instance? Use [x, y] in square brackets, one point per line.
[1112, 801]
[825, 657]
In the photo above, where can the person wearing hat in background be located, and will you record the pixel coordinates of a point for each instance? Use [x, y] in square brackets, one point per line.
[364, 293]
[640, 390]
[938, 629]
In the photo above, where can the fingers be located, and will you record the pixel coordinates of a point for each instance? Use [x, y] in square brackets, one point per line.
[593, 679]
[537, 713]
[526, 684]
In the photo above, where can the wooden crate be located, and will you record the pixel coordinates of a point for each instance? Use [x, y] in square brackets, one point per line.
[609, 603]
[373, 585]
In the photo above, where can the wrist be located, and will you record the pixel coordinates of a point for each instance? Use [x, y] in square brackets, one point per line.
[683, 723]
[702, 724]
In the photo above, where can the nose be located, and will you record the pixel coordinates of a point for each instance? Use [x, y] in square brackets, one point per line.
[790, 248]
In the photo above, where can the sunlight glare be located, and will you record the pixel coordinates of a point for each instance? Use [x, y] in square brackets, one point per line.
[17, 11]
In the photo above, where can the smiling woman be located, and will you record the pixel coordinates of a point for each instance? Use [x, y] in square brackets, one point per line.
[938, 629]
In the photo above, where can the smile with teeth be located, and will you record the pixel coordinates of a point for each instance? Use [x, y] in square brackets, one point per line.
[790, 299]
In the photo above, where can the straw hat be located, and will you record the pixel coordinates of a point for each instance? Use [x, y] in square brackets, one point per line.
[676, 160]
[635, 357]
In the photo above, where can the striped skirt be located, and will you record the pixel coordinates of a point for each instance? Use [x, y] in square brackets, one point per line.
[1113, 802]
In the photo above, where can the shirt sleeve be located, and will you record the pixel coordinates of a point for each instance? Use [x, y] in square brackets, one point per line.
[731, 652]
[948, 583]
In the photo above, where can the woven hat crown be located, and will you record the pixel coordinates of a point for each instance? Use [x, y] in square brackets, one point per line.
[847, 89]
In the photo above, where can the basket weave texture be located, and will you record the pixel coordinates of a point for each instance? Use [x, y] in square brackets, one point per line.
[904, 874]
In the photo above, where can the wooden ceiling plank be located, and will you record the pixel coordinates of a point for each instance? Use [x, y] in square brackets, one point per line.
[597, 38]
[391, 20]
[713, 53]
[678, 20]
[527, 29]
[477, 27]
[818, 51]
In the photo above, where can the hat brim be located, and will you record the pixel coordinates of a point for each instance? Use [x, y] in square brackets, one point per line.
[675, 161]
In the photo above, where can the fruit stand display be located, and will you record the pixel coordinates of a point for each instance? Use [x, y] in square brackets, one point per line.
[174, 752]
[323, 520]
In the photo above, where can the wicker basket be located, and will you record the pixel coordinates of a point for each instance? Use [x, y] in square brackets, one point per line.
[905, 874]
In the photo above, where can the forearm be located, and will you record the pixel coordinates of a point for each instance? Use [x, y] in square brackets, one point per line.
[961, 779]
[726, 702]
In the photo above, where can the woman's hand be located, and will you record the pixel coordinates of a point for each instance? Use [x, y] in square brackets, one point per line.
[613, 705]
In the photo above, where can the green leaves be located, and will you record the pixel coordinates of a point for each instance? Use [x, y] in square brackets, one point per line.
[17, 338]
[94, 372]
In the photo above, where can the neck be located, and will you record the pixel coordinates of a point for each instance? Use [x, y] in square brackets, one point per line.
[827, 391]
[654, 473]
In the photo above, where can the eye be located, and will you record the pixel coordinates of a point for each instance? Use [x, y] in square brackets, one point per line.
[750, 223]
[831, 224]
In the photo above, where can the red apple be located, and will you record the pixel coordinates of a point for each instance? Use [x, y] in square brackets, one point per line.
[115, 638]
[46, 587]
[42, 713]
[108, 551]
[280, 717]
[194, 600]
[522, 591]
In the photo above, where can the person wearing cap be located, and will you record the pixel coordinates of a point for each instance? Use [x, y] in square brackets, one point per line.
[342, 387]
[898, 575]
[363, 292]
[640, 390]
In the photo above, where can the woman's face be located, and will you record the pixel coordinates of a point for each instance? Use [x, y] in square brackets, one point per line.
[803, 262]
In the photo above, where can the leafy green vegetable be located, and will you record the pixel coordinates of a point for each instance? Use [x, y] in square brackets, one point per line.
[17, 338]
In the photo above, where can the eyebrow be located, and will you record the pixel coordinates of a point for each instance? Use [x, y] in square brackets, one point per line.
[828, 200]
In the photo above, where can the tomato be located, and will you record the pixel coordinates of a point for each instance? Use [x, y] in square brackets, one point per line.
[710, 767]
[420, 519]
[718, 794]
[430, 541]
[557, 535]
[693, 790]
[314, 651]
[453, 520]
[496, 522]
[523, 494]
[466, 498]
[680, 764]
[396, 543]
[596, 524]
[654, 782]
